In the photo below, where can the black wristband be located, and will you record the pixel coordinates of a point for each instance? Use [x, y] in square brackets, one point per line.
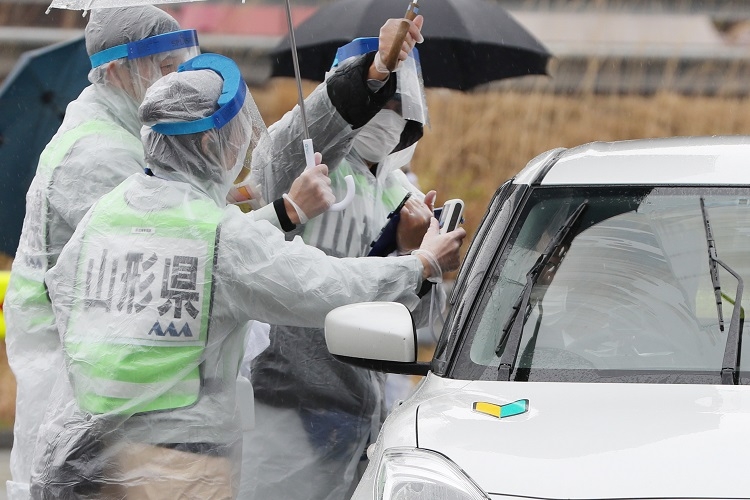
[425, 289]
[286, 223]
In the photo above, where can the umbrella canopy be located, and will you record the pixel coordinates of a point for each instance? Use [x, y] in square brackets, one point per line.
[467, 42]
[33, 99]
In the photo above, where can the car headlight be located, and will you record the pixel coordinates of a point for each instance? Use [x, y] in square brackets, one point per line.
[415, 474]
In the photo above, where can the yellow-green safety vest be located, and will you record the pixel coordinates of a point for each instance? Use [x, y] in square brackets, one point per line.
[349, 233]
[141, 305]
[27, 283]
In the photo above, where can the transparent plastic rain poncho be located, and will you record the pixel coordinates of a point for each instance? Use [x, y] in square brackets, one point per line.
[153, 296]
[314, 415]
[96, 147]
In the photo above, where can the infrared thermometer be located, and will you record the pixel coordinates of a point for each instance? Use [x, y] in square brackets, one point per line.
[451, 215]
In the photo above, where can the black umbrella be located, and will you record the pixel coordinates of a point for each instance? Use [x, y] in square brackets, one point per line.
[467, 42]
[32, 104]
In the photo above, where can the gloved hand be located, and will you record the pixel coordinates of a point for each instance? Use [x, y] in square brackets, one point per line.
[310, 194]
[439, 252]
[415, 220]
[386, 39]
[245, 193]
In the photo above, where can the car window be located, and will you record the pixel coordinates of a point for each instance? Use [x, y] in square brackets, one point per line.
[632, 294]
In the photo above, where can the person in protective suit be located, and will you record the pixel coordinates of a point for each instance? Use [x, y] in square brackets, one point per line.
[336, 111]
[96, 147]
[314, 415]
[153, 293]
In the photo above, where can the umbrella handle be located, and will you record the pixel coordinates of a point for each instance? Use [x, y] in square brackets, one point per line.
[307, 146]
[391, 60]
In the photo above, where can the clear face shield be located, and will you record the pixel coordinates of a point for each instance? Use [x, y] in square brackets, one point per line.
[139, 64]
[244, 193]
[410, 90]
[211, 149]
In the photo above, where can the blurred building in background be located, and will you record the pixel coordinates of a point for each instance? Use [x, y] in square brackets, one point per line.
[617, 46]
[642, 47]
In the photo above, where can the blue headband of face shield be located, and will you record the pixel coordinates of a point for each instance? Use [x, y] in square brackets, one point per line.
[147, 47]
[360, 46]
[230, 101]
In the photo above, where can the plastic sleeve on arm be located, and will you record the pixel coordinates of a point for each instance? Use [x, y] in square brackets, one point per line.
[331, 135]
[375, 85]
[267, 213]
[269, 279]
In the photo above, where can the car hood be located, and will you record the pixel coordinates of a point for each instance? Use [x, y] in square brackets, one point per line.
[586, 441]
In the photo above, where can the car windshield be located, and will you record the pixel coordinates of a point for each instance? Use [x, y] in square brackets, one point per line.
[627, 296]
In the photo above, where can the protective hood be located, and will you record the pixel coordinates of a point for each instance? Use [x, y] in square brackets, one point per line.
[177, 144]
[110, 27]
[131, 47]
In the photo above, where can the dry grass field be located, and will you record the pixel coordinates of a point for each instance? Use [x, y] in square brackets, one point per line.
[477, 141]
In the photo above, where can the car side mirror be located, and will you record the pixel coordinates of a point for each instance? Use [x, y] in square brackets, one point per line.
[375, 335]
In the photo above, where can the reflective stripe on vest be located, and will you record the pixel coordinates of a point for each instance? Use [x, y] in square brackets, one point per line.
[56, 150]
[141, 306]
[28, 275]
[349, 233]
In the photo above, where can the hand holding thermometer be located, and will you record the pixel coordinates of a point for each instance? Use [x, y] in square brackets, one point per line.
[449, 217]
[307, 144]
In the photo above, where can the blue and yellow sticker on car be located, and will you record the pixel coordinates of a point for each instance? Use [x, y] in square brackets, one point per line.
[502, 411]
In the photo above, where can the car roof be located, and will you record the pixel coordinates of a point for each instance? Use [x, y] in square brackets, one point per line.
[717, 160]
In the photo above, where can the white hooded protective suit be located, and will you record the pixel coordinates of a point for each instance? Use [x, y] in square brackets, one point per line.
[153, 295]
[313, 414]
[95, 148]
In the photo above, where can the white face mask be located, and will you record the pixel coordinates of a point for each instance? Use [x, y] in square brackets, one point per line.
[379, 136]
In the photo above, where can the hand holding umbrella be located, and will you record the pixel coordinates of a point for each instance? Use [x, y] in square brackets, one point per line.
[395, 54]
[307, 144]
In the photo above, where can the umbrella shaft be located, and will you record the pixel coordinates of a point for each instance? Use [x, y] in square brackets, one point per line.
[295, 62]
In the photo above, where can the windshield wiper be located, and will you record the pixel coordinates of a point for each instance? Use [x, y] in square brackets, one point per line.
[730, 366]
[510, 340]
[712, 264]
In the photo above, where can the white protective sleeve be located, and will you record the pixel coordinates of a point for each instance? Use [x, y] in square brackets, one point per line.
[331, 135]
[295, 284]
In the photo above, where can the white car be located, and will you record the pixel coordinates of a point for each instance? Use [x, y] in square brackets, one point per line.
[592, 349]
